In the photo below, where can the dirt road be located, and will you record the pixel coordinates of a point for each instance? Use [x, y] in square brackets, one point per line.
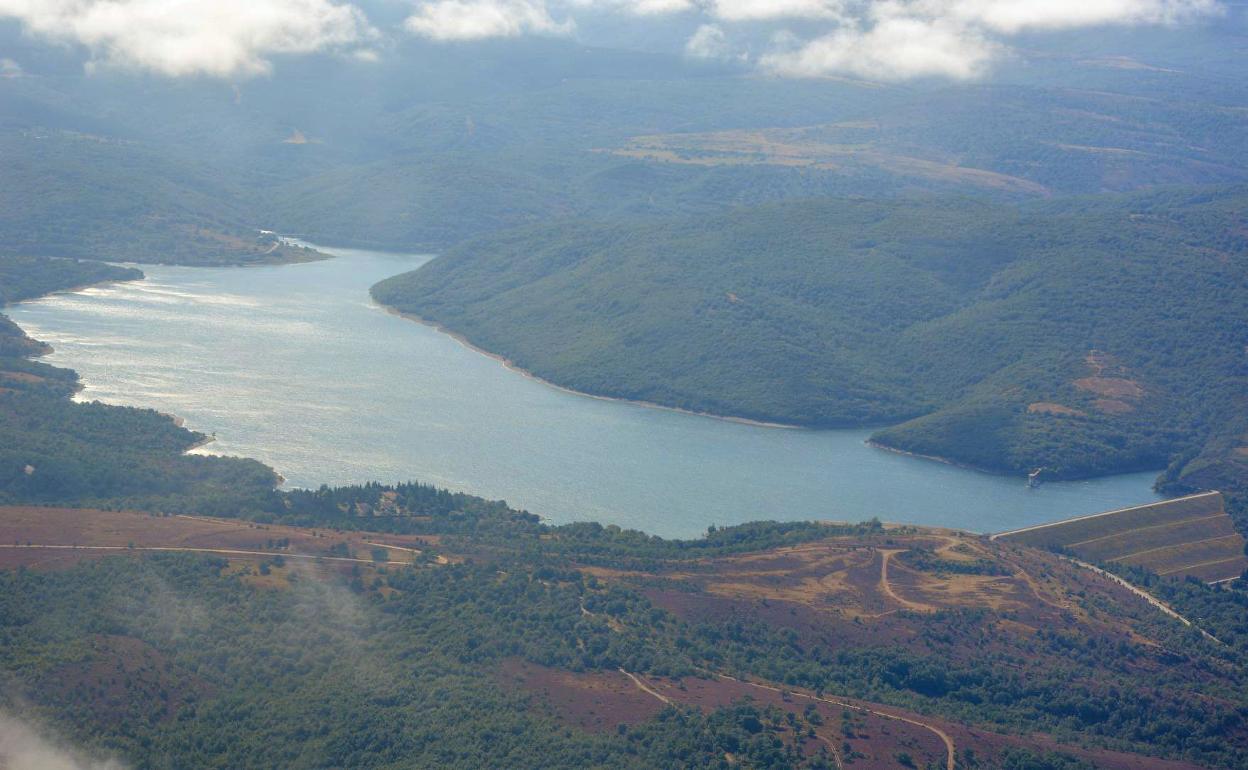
[219, 551]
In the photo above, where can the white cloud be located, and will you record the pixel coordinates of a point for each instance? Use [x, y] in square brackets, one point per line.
[193, 37]
[23, 748]
[10, 69]
[480, 19]
[761, 10]
[893, 49]
[888, 39]
[708, 42]
[901, 39]
[1012, 16]
[657, 7]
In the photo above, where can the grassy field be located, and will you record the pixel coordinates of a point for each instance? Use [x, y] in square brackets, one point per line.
[1186, 536]
[833, 148]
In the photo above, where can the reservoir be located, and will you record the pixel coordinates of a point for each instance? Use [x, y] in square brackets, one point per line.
[296, 366]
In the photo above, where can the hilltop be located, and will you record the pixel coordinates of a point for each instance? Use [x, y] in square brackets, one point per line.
[193, 639]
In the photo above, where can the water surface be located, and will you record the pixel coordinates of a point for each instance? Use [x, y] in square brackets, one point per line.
[296, 366]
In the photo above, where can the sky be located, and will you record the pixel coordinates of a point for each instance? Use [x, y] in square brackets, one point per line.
[891, 40]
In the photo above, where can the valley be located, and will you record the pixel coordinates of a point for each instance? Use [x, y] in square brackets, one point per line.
[523, 384]
[196, 342]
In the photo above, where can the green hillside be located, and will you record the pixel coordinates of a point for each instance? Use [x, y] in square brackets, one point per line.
[71, 194]
[953, 320]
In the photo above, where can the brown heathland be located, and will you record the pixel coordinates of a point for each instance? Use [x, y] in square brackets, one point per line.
[850, 592]
[39, 537]
[894, 589]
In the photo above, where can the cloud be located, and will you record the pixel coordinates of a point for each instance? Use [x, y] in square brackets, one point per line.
[481, 19]
[1013, 16]
[639, 7]
[659, 7]
[10, 69]
[24, 748]
[708, 42]
[894, 49]
[959, 39]
[222, 38]
[879, 39]
[884, 39]
[761, 10]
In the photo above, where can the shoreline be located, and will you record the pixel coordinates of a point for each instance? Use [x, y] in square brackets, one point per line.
[942, 460]
[512, 366]
[79, 386]
[205, 441]
[870, 442]
[198, 446]
[75, 290]
[979, 469]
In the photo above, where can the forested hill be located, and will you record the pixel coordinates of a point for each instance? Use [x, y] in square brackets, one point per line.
[73, 194]
[27, 277]
[1084, 337]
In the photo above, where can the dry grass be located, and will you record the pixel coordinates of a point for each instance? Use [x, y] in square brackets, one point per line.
[837, 147]
[49, 538]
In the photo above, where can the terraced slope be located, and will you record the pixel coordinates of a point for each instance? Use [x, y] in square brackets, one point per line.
[1190, 535]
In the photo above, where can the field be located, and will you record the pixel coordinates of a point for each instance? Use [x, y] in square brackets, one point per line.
[37, 537]
[824, 148]
[1190, 535]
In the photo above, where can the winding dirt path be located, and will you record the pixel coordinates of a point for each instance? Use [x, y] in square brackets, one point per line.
[645, 687]
[1145, 595]
[950, 752]
[886, 555]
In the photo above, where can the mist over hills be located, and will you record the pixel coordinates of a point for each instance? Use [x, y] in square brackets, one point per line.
[433, 143]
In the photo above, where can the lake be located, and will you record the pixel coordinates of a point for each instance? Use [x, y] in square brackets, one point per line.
[296, 366]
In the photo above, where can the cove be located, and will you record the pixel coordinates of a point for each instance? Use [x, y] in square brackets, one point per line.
[296, 366]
